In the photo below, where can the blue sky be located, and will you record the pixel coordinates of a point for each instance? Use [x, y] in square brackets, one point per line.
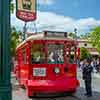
[73, 8]
[63, 15]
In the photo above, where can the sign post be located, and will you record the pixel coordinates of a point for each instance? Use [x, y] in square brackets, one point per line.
[26, 11]
[5, 68]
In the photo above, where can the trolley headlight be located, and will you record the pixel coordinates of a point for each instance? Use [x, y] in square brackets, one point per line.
[57, 70]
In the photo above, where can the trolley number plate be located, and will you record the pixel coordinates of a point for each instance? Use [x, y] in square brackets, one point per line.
[39, 71]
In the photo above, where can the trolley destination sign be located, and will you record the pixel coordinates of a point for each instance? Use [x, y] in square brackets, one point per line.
[26, 10]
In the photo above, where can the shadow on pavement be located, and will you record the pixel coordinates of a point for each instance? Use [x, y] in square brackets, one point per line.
[78, 96]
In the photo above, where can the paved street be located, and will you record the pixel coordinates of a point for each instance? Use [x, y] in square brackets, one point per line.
[19, 94]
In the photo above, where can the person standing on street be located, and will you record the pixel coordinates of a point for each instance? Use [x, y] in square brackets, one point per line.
[87, 70]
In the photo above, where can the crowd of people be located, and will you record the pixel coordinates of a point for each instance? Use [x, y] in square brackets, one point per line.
[95, 63]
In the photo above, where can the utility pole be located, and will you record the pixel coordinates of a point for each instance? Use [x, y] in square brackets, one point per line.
[5, 66]
[24, 31]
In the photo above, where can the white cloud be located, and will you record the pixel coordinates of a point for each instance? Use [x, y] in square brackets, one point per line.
[45, 2]
[88, 22]
[52, 21]
[16, 22]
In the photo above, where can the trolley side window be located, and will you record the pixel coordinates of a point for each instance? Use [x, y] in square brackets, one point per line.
[70, 53]
[24, 56]
[55, 53]
[37, 54]
[16, 59]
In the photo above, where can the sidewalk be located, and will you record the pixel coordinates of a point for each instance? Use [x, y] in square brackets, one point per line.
[96, 75]
[14, 81]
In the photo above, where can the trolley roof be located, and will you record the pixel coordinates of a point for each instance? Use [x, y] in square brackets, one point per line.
[47, 35]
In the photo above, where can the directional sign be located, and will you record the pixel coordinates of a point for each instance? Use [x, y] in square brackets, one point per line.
[26, 10]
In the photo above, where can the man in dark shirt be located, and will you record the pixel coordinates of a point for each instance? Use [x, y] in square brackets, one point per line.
[87, 70]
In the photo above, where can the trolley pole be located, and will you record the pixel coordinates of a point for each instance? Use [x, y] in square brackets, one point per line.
[5, 66]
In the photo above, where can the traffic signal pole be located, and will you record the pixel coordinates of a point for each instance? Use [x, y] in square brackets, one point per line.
[5, 66]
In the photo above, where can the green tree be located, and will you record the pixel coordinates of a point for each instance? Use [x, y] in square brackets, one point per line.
[14, 40]
[85, 36]
[84, 53]
[73, 35]
[95, 38]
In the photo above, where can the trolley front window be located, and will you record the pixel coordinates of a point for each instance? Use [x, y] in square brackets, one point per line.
[37, 54]
[55, 53]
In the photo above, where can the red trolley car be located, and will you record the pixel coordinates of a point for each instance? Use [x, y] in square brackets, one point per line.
[46, 63]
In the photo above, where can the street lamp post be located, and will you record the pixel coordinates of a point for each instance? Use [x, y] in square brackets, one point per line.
[5, 66]
[75, 30]
[24, 31]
